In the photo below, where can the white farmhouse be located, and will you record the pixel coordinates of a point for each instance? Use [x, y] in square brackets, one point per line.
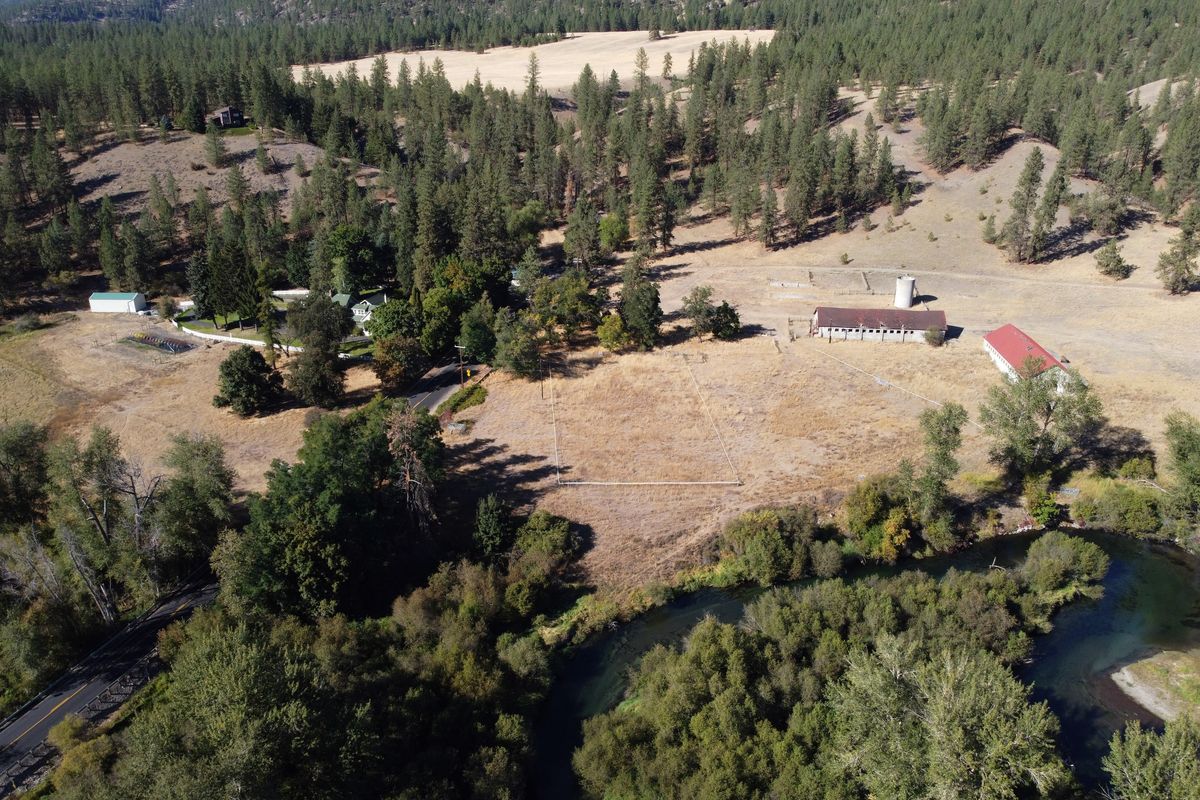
[117, 302]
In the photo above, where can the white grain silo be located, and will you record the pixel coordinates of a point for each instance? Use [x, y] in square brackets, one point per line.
[906, 290]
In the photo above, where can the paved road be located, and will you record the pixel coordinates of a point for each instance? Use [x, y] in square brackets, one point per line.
[437, 385]
[90, 677]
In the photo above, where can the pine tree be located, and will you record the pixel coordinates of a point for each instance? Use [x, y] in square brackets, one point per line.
[54, 248]
[1177, 266]
[81, 232]
[238, 186]
[137, 264]
[199, 279]
[640, 308]
[582, 238]
[1052, 198]
[112, 257]
[766, 233]
[264, 315]
[51, 178]
[1017, 233]
[262, 160]
[1110, 262]
[214, 146]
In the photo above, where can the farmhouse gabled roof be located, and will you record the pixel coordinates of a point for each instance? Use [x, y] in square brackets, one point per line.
[876, 318]
[1014, 346]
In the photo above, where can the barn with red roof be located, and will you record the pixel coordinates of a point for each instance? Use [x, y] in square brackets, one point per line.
[1012, 350]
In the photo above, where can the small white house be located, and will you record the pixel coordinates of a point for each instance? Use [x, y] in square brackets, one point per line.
[364, 308]
[117, 302]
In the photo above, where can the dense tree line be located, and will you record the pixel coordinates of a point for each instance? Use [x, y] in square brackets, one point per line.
[306, 680]
[88, 536]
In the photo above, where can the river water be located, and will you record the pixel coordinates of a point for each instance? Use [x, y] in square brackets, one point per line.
[1151, 601]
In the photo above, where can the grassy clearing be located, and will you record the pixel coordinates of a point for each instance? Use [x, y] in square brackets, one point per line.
[467, 396]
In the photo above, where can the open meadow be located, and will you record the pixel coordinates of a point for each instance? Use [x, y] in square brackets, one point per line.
[559, 63]
[79, 373]
[802, 418]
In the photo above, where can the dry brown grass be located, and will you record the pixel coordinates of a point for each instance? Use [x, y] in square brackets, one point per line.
[559, 63]
[78, 374]
[802, 425]
[123, 170]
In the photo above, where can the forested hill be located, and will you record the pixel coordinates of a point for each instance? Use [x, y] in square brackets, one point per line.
[914, 38]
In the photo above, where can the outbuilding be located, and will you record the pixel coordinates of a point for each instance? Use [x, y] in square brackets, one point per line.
[227, 117]
[875, 324]
[117, 302]
[1014, 352]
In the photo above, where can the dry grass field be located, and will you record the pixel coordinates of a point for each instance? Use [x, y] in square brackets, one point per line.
[78, 373]
[559, 63]
[790, 417]
[805, 419]
[123, 170]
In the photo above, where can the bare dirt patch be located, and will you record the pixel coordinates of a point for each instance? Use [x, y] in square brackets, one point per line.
[78, 374]
[559, 63]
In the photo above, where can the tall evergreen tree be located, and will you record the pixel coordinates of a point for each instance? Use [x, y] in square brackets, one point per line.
[1017, 233]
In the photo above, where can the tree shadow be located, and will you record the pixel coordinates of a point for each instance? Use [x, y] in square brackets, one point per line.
[1112, 445]
[576, 366]
[699, 247]
[1070, 241]
[83, 188]
[481, 467]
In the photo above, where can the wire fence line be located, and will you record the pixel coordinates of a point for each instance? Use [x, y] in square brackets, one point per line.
[882, 381]
[558, 479]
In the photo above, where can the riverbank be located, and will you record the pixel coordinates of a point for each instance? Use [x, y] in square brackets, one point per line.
[1167, 684]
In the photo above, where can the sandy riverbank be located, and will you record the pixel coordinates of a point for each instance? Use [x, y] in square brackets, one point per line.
[1167, 684]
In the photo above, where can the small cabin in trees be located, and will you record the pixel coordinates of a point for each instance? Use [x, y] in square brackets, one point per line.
[364, 308]
[361, 308]
[227, 117]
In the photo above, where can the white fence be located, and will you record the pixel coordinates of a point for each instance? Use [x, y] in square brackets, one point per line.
[216, 337]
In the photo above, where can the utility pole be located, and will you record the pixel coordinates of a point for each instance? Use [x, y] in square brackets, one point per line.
[461, 379]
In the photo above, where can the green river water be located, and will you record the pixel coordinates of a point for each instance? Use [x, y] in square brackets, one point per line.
[1151, 601]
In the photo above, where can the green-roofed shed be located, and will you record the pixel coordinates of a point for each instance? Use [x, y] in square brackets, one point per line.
[117, 302]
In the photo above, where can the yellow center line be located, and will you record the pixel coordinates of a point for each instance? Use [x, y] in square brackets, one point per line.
[180, 607]
[61, 703]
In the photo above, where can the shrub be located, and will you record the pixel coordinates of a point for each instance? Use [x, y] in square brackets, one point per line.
[1137, 468]
[724, 322]
[1058, 563]
[935, 337]
[26, 322]
[614, 230]
[612, 333]
[844, 258]
[771, 544]
[1121, 509]
[465, 397]
[1039, 501]
[166, 307]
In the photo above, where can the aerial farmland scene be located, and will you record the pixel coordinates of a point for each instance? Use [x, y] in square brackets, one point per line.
[600, 400]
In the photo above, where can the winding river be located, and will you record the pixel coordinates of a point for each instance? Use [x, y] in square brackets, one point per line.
[1151, 601]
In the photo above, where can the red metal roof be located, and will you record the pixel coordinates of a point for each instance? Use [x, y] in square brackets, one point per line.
[876, 318]
[1014, 346]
